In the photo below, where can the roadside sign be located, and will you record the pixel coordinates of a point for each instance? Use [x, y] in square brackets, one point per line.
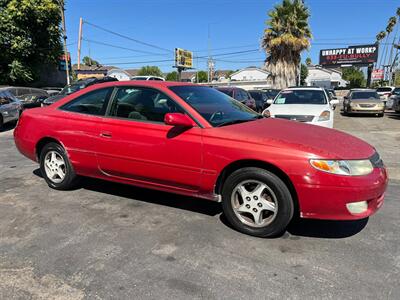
[377, 74]
[352, 55]
[183, 58]
[61, 62]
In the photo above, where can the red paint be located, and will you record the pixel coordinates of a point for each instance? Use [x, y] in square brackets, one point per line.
[188, 159]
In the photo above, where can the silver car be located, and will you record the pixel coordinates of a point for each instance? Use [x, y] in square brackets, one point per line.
[10, 107]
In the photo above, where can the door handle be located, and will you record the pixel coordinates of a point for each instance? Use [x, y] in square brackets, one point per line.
[106, 134]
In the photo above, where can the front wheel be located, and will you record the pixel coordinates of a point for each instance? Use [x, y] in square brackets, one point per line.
[56, 167]
[257, 202]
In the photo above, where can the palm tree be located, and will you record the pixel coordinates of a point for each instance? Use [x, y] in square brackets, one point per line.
[308, 61]
[389, 28]
[379, 37]
[286, 36]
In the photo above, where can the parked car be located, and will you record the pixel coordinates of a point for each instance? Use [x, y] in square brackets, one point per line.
[240, 95]
[260, 97]
[363, 101]
[52, 90]
[385, 92]
[157, 78]
[396, 99]
[10, 107]
[271, 94]
[76, 86]
[303, 104]
[194, 140]
[27, 95]
[395, 95]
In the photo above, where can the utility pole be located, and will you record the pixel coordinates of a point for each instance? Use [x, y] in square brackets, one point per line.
[80, 42]
[64, 31]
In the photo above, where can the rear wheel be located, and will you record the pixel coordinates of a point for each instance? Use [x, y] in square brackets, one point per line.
[1, 122]
[56, 167]
[257, 202]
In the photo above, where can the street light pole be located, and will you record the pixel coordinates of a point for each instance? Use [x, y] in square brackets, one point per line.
[64, 31]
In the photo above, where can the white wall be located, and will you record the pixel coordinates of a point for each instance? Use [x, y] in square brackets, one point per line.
[249, 74]
[119, 74]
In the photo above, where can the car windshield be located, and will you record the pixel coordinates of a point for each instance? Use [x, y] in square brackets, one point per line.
[364, 95]
[216, 107]
[72, 88]
[383, 89]
[396, 91]
[301, 97]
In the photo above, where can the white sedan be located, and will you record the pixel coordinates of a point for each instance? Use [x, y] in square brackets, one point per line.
[302, 104]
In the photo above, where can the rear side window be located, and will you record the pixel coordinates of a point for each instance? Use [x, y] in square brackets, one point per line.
[92, 103]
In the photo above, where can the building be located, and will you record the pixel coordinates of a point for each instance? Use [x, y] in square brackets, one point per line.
[326, 78]
[122, 75]
[250, 74]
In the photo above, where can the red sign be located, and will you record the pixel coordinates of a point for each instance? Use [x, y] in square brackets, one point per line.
[377, 74]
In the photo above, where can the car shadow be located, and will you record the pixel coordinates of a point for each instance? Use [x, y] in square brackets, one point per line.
[8, 126]
[325, 228]
[393, 115]
[298, 227]
[197, 205]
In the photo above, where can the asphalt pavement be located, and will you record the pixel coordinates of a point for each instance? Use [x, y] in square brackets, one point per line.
[110, 241]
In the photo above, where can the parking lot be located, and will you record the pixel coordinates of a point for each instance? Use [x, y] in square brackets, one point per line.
[107, 240]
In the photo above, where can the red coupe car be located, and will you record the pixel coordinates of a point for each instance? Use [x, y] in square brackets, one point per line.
[197, 141]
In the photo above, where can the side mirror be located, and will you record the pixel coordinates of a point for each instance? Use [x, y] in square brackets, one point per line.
[178, 119]
[270, 101]
[334, 102]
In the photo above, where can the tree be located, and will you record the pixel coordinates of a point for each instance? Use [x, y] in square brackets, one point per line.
[286, 36]
[308, 61]
[172, 76]
[202, 76]
[150, 71]
[303, 74]
[29, 38]
[87, 61]
[355, 76]
[389, 28]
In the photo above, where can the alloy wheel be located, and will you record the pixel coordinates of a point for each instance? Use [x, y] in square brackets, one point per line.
[254, 203]
[55, 167]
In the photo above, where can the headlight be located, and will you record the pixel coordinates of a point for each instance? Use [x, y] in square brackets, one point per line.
[381, 104]
[353, 104]
[343, 167]
[266, 113]
[324, 116]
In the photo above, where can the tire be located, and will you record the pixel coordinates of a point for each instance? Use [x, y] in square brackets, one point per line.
[380, 115]
[1, 122]
[59, 162]
[271, 223]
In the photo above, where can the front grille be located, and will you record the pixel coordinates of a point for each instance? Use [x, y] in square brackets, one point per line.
[376, 160]
[366, 105]
[299, 118]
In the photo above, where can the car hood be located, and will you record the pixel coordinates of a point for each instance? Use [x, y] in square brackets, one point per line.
[297, 109]
[317, 141]
[53, 99]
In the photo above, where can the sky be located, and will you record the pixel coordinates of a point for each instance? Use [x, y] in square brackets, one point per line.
[233, 26]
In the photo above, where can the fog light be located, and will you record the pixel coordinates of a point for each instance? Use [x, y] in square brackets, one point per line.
[357, 207]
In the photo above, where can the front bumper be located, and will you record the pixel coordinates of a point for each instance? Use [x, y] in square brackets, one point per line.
[324, 200]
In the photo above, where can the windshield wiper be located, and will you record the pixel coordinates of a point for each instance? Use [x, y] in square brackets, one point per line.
[239, 121]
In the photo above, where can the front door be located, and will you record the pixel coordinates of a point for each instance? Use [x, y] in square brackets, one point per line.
[135, 143]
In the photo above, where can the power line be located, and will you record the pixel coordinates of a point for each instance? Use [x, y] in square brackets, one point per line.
[127, 37]
[120, 47]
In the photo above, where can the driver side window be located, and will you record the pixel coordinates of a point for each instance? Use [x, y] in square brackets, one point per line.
[142, 104]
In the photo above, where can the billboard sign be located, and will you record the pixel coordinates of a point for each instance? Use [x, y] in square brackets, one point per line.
[352, 55]
[377, 74]
[183, 58]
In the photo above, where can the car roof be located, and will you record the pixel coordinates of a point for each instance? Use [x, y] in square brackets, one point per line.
[362, 90]
[145, 83]
[315, 88]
